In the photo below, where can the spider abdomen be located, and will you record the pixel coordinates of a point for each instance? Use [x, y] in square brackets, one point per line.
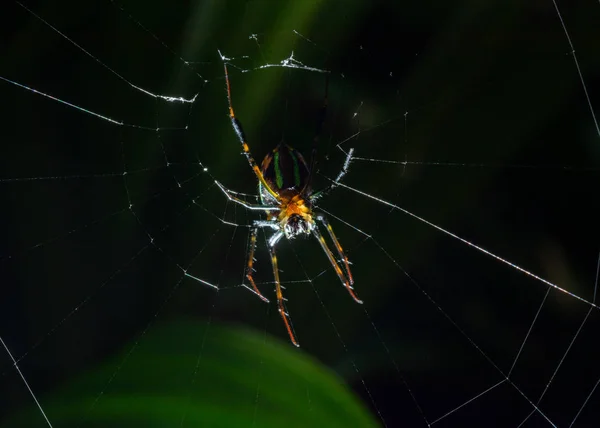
[286, 171]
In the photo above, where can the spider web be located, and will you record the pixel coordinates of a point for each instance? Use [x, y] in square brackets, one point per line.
[468, 211]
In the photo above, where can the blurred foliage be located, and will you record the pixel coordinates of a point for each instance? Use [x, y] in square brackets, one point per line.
[188, 374]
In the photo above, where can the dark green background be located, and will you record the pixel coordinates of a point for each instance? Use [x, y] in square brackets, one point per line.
[484, 101]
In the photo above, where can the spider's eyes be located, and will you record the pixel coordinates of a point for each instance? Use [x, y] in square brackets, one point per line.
[295, 225]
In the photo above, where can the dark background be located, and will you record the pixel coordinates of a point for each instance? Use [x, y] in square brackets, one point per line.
[483, 101]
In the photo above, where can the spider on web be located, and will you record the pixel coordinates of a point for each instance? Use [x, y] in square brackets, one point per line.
[284, 186]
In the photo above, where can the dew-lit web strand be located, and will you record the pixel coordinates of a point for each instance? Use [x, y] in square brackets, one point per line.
[88, 225]
[289, 62]
[209, 319]
[151, 238]
[156, 38]
[379, 336]
[172, 291]
[82, 49]
[78, 307]
[137, 342]
[506, 377]
[103, 219]
[413, 397]
[335, 182]
[16, 366]
[469, 401]
[89, 176]
[82, 109]
[597, 279]
[96, 221]
[265, 326]
[576, 61]
[260, 370]
[227, 203]
[113, 274]
[106, 118]
[535, 318]
[592, 304]
[547, 386]
[591, 107]
[461, 331]
[498, 258]
[339, 336]
[205, 335]
[402, 378]
[470, 244]
[35, 91]
[162, 305]
[59, 177]
[60, 237]
[577, 168]
[164, 150]
[197, 366]
[566, 353]
[587, 399]
[549, 383]
[394, 206]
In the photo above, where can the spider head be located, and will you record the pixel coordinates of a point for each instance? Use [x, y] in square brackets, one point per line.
[296, 225]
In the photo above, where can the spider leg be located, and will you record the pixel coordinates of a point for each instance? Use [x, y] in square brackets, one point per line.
[278, 292]
[250, 263]
[337, 245]
[237, 127]
[338, 179]
[243, 203]
[347, 281]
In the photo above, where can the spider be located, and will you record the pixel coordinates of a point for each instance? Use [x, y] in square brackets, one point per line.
[284, 187]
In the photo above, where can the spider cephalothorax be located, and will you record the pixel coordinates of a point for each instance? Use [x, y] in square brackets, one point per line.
[284, 187]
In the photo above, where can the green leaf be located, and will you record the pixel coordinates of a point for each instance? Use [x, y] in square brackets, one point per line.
[191, 374]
